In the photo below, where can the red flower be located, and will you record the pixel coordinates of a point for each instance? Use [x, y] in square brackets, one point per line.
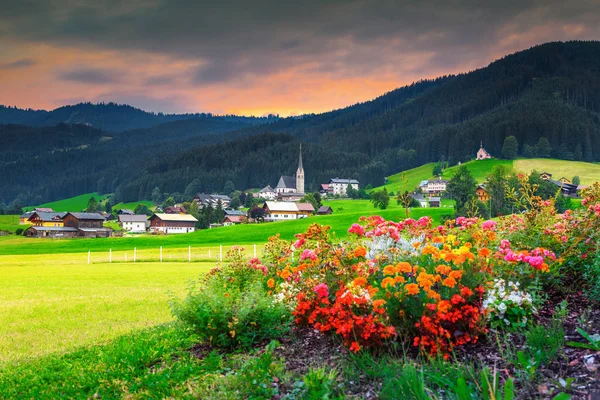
[322, 290]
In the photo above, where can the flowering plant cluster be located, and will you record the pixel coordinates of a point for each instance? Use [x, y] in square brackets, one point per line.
[507, 306]
[437, 288]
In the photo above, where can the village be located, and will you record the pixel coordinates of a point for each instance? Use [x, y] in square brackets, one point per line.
[285, 202]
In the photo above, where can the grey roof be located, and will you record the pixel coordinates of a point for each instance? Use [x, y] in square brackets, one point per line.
[266, 189]
[437, 181]
[417, 196]
[133, 218]
[89, 216]
[48, 216]
[323, 209]
[423, 183]
[235, 212]
[26, 214]
[53, 228]
[220, 197]
[344, 181]
[95, 229]
[125, 211]
[288, 182]
[434, 199]
[568, 186]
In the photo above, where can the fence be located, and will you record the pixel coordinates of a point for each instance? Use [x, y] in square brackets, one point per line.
[160, 254]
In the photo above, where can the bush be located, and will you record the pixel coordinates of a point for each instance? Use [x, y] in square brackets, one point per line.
[232, 306]
[19, 231]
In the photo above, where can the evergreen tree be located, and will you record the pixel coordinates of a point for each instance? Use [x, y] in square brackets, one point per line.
[157, 196]
[461, 188]
[510, 149]
[543, 148]
[219, 214]
[169, 202]
[92, 206]
[142, 209]
[228, 188]
[576, 180]
[528, 151]
[380, 199]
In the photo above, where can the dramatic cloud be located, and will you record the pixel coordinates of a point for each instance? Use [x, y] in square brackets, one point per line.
[217, 54]
[22, 63]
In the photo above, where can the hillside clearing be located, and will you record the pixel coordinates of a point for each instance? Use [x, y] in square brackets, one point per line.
[587, 172]
[75, 204]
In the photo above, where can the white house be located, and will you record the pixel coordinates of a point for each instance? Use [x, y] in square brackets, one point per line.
[339, 186]
[436, 186]
[267, 193]
[133, 223]
[172, 223]
[284, 211]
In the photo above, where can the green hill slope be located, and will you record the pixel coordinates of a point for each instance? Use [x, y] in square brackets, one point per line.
[76, 203]
[587, 172]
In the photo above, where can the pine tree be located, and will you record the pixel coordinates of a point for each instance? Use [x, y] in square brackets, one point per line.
[510, 149]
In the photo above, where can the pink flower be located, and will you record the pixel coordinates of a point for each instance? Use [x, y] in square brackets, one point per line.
[505, 244]
[357, 229]
[299, 243]
[308, 254]
[322, 290]
[423, 221]
[489, 225]
[409, 221]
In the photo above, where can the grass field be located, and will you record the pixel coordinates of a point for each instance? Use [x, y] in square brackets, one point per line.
[132, 205]
[479, 169]
[56, 303]
[231, 235]
[10, 223]
[77, 203]
[588, 172]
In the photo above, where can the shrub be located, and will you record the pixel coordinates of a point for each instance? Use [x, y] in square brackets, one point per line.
[232, 307]
[19, 231]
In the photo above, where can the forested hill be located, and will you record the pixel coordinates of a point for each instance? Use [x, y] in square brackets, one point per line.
[551, 90]
[548, 97]
[110, 117]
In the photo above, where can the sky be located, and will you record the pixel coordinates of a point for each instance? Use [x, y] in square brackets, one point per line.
[254, 57]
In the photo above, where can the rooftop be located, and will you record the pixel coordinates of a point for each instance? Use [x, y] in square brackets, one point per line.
[176, 217]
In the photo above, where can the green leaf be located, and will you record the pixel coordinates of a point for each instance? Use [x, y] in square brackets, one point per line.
[509, 389]
[562, 396]
[462, 389]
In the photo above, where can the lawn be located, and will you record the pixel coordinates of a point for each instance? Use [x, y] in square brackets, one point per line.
[75, 204]
[227, 236]
[588, 172]
[10, 223]
[479, 169]
[57, 303]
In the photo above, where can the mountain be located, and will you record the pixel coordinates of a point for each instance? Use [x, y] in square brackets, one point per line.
[110, 117]
[550, 91]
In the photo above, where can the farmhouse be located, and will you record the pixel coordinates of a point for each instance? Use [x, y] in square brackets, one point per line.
[339, 186]
[420, 198]
[234, 220]
[175, 210]
[482, 194]
[290, 196]
[545, 176]
[436, 186]
[133, 223]
[51, 231]
[87, 224]
[567, 189]
[281, 211]
[291, 184]
[48, 219]
[565, 180]
[324, 210]
[172, 223]
[435, 202]
[325, 189]
[24, 217]
[482, 153]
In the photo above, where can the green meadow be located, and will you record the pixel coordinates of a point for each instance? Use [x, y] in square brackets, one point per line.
[10, 223]
[588, 172]
[75, 204]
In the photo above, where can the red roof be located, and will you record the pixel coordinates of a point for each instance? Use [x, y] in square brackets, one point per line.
[305, 207]
[236, 219]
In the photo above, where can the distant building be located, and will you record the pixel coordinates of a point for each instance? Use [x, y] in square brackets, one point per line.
[133, 223]
[203, 200]
[172, 223]
[24, 217]
[43, 209]
[339, 186]
[234, 220]
[290, 196]
[436, 186]
[567, 189]
[482, 194]
[565, 180]
[291, 184]
[87, 224]
[51, 232]
[40, 218]
[175, 210]
[420, 198]
[325, 190]
[435, 202]
[545, 176]
[482, 153]
[125, 211]
[282, 211]
[324, 210]
[266, 193]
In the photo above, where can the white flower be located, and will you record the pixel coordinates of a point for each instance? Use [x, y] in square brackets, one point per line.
[507, 321]
[502, 308]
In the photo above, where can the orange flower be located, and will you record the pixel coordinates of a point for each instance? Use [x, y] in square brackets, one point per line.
[271, 283]
[444, 306]
[388, 282]
[449, 281]
[438, 239]
[360, 252]
[412, 289]
[466, 292]
[455, 274]
[399, 279]
[359, 282]
[485, 252]
[403, 267]
[378, 303]
[434, 295]
[355, 347]
[389, 270]
[443, 269]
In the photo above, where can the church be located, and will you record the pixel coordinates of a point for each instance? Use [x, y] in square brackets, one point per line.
[290, 186]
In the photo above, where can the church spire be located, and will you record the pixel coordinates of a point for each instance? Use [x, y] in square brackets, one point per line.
[481, 145]
[300, 159]
[300, 174]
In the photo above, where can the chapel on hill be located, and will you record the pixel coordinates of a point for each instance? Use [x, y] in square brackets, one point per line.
[291, 184]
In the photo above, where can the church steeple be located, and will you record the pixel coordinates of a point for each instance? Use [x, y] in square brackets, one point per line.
[300, 174]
